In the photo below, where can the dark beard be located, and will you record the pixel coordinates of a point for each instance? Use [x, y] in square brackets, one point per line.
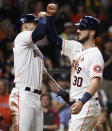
[84, 39]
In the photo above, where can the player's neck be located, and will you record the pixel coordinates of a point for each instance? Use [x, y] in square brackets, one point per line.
[25, 30]
[89, 44]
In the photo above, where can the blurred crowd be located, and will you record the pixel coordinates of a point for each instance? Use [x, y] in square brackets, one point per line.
[56, 111]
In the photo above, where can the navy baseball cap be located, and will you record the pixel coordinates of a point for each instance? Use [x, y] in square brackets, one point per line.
[27, 18]
[88, 22]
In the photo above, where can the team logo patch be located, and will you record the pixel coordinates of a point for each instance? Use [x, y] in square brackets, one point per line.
[97, 69]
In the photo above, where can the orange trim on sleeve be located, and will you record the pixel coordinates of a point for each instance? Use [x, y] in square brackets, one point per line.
[85, 117]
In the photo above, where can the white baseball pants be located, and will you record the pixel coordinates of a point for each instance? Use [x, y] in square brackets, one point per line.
[26, 111]
[87, 118]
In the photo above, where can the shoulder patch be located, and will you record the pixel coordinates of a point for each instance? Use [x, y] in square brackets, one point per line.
[97, 69]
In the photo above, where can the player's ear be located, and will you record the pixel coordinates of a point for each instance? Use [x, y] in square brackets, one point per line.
[93, 33]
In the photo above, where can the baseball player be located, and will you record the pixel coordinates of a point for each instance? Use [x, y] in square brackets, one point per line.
[25, 105]
[24, 100]
[86, 69]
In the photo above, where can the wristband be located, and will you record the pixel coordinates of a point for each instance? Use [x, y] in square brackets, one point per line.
[85, 97]
[60, 92]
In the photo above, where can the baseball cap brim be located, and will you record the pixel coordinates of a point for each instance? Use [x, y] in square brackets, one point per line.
[79, 25]
[36, 20]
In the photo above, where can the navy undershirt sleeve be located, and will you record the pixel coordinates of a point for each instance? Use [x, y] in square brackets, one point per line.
[40, 30]
[51, 32]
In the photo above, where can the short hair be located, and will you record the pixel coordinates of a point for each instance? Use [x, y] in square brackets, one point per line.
[46, 94]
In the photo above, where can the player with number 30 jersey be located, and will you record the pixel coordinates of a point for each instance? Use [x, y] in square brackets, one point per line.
[85, 65]
[86, 69]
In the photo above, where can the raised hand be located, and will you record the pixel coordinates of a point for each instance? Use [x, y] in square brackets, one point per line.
[51, 9]
[42, 14]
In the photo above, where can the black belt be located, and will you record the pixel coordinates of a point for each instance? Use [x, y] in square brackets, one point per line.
[35, 90]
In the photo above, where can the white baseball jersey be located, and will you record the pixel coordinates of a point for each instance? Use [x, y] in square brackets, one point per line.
[85, 65]
[28, 62]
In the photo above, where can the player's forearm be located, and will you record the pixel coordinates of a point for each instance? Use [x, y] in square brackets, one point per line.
[52, 34]
[52, 85]
[40, 30]
[54, 88]
[95, 83]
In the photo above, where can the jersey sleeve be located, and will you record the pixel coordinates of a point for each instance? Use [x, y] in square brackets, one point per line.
[24, 39]
[96, 66]
[69, 47]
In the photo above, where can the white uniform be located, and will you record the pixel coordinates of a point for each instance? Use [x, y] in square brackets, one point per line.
[85, 65]
[25, 106]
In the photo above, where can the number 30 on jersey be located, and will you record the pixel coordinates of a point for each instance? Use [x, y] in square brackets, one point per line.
[77, 81]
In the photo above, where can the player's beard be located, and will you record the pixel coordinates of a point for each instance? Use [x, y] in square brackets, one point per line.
[84, 39]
